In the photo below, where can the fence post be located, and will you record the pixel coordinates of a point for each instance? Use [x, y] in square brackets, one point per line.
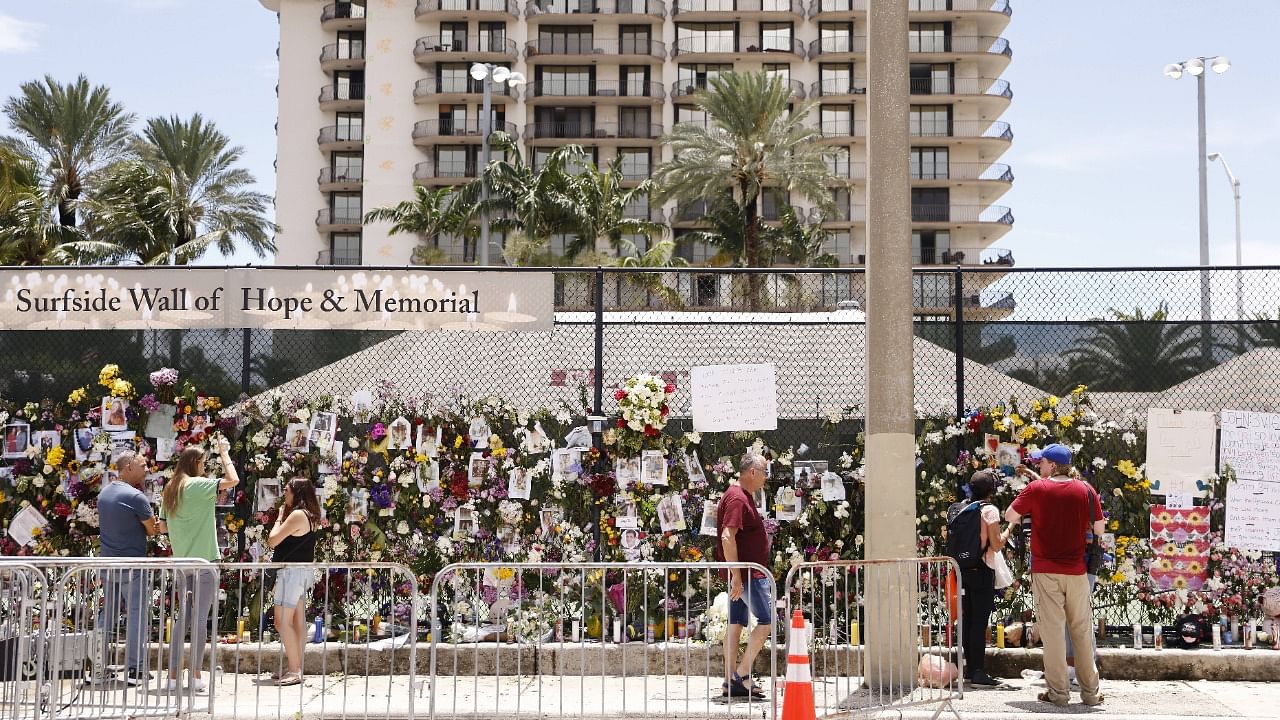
[597, 381]
[246, 359]
[958, 275]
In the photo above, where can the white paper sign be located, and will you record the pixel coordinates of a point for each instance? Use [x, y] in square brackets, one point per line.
[1179, 501]
[728, 398]
[1180, 451]
[1251, 444]
[1253, 515]
[23, 526]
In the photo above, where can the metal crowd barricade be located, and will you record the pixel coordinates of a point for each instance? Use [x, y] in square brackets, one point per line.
[883, 633]
[587, 640]
[360, 655]
[21, 600]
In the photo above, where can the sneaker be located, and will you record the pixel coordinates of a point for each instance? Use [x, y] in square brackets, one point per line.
[137, 677]
[198, 684]
[982, 678]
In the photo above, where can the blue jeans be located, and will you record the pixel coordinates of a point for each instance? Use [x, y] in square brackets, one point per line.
[756, 594]
[1071, 651]
[129, 587]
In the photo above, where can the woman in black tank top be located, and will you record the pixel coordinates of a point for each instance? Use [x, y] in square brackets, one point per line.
[294, 539]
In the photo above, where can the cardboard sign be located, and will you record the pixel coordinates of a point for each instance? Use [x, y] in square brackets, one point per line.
[730, 398]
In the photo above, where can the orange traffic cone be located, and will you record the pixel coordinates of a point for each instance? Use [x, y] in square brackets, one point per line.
[797, 703]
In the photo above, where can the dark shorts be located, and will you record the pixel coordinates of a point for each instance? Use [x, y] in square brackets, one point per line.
[757, 593]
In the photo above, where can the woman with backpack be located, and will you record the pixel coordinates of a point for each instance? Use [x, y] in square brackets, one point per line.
[973, 539]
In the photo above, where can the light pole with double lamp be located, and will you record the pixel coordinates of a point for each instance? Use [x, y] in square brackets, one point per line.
[488, 73]
[1235, 190]
[1196, 68]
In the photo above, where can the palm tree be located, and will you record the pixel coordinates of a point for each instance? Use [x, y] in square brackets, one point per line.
[726, 230]
[30, 233]
[753, 139]
[661, 255]
[601, 205]
[535, 202]
[183, 195]
[1137, 353]
[799, 243]
[431, 213]
[74, 131]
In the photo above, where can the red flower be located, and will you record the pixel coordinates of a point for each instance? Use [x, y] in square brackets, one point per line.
[62, 510]
[664, 410]
[620, 423]
[620, 394]
[650, 431]
[669, 388]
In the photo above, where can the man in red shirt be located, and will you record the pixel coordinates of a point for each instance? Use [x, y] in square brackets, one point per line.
[743, 538]
[1061, 511]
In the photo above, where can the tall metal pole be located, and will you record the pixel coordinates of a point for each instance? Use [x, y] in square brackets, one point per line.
[1235, 189]
[890, 481]
[485, 130]
[1206, 311]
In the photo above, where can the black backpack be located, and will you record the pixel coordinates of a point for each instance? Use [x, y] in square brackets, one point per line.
[964, 534]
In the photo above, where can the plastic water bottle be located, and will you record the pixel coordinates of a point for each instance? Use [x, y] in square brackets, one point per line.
[318, 634]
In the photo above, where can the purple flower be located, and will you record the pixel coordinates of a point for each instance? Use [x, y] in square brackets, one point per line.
[149, 402]
[164, 377]
[379, 431]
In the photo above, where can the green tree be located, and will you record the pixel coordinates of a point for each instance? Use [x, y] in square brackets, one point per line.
[800, 243]
[74, 132]
[431, 213]
[600, 208]
[753, 139]
[726, 230]
[661, 255]
[30, 233]
[183, 195]
[1137, 352]
[537, 202]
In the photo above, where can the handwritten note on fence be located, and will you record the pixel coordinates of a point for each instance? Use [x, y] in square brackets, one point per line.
[1251, 444]
[1253, 515]
[728, 398]
[1180, 451]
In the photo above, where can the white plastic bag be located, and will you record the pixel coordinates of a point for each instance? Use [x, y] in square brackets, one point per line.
[1004, 576]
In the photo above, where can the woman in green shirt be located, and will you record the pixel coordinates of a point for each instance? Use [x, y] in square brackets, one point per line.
[187, 507]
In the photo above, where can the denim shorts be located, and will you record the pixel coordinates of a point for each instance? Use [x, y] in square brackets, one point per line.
[292, 584]
[757, 592]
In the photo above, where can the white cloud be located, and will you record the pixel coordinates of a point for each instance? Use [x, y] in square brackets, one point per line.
[18, 36]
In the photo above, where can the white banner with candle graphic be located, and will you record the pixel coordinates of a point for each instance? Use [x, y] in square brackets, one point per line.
[101, 298]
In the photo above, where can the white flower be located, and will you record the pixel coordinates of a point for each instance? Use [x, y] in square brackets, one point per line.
[694, 438]
[353, 443]
[952, 469]
[37, 481]
[1099, 463]
[402, 528]
[563, 416]
[846, 460]
[933, 438]
[1129, 439]
[1116, 492]
[261, 438]
[858, 541]
[444, 545]
[303, 414]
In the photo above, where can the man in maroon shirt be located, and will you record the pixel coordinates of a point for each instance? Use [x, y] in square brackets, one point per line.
[743, 538]
[1061, 509]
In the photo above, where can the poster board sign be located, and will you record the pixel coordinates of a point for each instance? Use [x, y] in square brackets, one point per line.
[1253, 515]
[114, 298]
[730, 398]
[1250, 444]
[1180, 540]
[1181, 453]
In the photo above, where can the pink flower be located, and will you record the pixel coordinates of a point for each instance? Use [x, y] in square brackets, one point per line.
[379, 431]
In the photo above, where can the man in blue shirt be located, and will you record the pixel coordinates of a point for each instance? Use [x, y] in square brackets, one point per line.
[126, 520]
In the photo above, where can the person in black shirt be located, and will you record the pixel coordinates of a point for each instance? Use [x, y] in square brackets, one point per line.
[294, 540]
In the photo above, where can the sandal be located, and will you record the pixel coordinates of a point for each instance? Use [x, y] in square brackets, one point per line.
[1044, 697]
[289, 679]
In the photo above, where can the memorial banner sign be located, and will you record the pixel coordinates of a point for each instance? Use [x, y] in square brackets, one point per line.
[110, 298]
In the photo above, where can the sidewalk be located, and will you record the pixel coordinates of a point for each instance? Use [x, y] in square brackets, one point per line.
[250, 697]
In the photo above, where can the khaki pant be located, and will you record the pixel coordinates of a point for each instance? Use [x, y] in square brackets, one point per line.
[1063, 601]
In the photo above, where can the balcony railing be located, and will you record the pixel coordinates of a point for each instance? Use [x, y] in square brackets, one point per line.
[688, 212]
[637, 175]
[642, 212]
[579, 45]
[795, 7]
[729, 45]
[333, 52]
[996, 172]
[340, 216]
[465, 85]
[993, 214]
[507, 7]
[840, 213]
[342, 11]
[460, 44]
[961, 86]
[457, 128]
[653, 8]
[688, 87]
[962, 256]
[959, 44]
[585, 130]
[339, 93]
[825, 88]
[839, 44]
[841, 128]
[328, 176]
[340, 134]
[997, 6]
[430, 170]
[597, 88]
[998, 130]
[773, 211]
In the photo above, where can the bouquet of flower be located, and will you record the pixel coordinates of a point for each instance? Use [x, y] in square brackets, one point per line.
[642, 410]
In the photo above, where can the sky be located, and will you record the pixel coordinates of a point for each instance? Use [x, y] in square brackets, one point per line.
[1105, 146]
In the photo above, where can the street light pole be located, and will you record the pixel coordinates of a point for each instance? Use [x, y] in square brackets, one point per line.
[488, 73]
[1235, 191]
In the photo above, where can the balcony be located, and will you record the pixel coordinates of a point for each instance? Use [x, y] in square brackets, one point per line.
[596, 133]
[451, 132]
[623, 10]
[342, 97]
[971, 87]
[962, 215]
[574, 48]
[431, 173]
[838, 9]
[725, 48]
[342, 16]
[836, 48]
[842, 130]
[457, 90]
[972, 256]
[954, 45]
[340, 137]
[687, 213]
[839, 213]
[466, 9]
[342, 220]
[344, 180]
[437, 48]
[771, 212]
[609, 91]
[642, 211]
[974, 172]
[841, 89]
[348, 56]
[975, 129]
[690, 10]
